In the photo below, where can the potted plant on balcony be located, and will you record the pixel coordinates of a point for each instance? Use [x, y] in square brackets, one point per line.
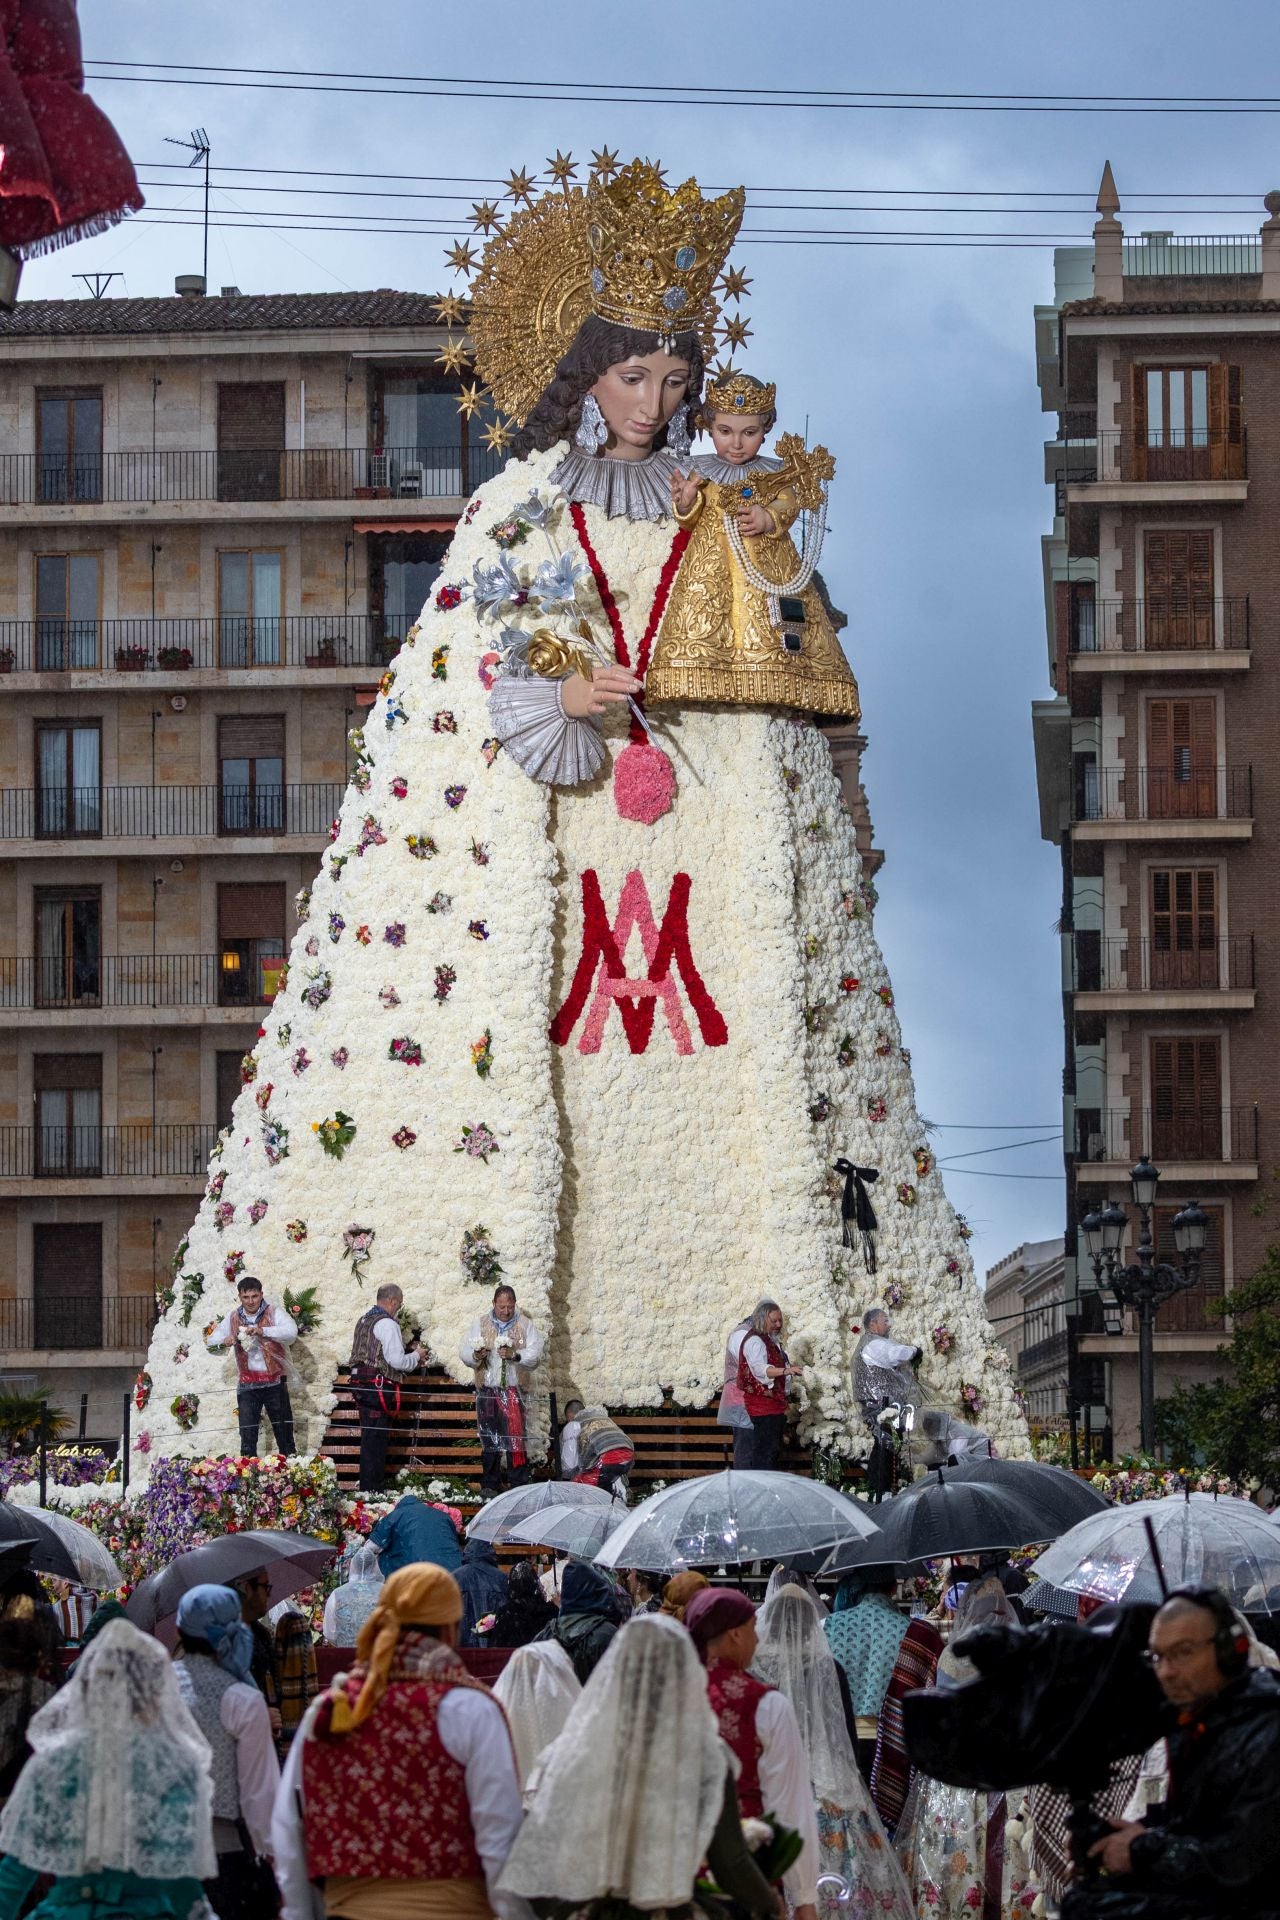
[7, 658]
[131, 659]
[174, 659]
[326, 653]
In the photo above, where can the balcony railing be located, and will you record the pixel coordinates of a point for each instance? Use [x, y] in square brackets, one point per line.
[1049, 1352]
[1213, 1133]
[132, 813]
[1152, 793]
[134, 980]
[104, 1153]
[206, 473]
[1179, 623]
[119, 1323]
[225, 641]
[1201, 256]
[1180, 965]
[1162, 453]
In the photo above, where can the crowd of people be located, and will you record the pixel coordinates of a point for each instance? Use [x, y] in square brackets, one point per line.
[649, 1744]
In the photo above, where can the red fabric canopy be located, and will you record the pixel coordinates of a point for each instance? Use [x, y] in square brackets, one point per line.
[64, 173]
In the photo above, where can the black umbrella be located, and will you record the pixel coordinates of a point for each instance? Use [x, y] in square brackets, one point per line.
[1054, 1497]
[14, 1554]
[952, 1511]
[290, 1561]
[48, 1552]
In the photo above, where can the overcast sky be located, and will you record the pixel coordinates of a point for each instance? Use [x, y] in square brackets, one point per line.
[915, 364]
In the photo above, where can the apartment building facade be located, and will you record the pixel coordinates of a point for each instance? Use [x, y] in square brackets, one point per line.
[1155, 755]
[218, 517]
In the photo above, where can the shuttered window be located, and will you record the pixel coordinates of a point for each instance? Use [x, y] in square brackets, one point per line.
[227, 1071]
[251, 946]
[1186, 1097]
[1182, 781]
[251, 772]
[250, 439]
[1184, 927]
[68, 1097]
[1178, 581]
[1191, 1311]
[1185, 423]
[67, 1283]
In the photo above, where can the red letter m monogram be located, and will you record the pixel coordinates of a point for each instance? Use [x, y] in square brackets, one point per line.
[601, 962]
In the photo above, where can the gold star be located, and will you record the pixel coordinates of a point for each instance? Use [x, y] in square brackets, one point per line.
[520, 186]
[461, 256]
[736, 332]
[734, 282]
[562, 169]
[453, 356]
[498, 436]
[470, 399]
[723, 370]
[449, 310]
[484, 215]
[605, 164]
[658, 170]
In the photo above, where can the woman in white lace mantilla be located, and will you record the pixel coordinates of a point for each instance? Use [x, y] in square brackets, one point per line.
[116, 1801]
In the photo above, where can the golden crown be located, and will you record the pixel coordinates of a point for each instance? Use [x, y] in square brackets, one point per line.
[656, 254]
[623, 245]
[738, 393]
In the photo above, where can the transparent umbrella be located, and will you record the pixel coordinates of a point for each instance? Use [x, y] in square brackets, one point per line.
[730, 1519]
[497, 1516]
[1203, 1540]
[60, 1546]
[580, 1531]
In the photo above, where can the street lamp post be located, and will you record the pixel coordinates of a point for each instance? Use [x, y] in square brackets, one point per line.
[1148, 1282]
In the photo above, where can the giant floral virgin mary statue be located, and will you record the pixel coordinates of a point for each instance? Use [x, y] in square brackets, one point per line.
[586, 992]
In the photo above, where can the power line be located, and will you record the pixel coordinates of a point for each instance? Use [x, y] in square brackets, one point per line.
[635, 93]
[1039, 1140]
[418, 233]
[984, 1173]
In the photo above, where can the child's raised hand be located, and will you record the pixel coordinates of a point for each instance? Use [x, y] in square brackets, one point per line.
[755, 520]
[684, 491]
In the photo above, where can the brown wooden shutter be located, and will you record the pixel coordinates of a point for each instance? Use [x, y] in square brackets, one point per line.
[67, 1263]
[1186, 1097]
[251, 911]
[1184, 927]
[1178, 580]
[1226, 423]
[1134, 453]
[251, 736]
[250, 415]
[1190, 1311]
[63, 1072]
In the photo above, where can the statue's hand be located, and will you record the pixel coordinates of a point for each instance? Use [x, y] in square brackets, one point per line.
[608, 686]
[756, 520]
[684, 491]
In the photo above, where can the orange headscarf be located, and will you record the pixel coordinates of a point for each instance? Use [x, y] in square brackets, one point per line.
[423, 1595]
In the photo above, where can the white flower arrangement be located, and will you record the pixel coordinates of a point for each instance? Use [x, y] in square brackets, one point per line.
[643, 1199]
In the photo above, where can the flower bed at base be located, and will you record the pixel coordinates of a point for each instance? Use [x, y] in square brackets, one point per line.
[186, 1502]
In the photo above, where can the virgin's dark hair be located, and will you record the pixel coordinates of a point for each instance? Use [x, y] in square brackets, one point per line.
[597, 346]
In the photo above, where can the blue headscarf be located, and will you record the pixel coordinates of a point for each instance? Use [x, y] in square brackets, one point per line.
[213, 1614]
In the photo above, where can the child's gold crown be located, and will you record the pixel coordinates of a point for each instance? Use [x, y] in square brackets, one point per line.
[738, 393]
[656, 252]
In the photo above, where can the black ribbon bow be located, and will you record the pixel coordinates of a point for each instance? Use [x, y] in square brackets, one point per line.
[857, 1215]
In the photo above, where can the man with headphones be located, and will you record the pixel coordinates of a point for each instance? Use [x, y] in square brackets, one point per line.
[1213, 1847]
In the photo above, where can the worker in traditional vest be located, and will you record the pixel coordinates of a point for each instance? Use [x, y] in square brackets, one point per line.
[759, 1725]
[502, 1347]
[215, 1678]
[261, 1333]
[378, 1357]
[605, 1454]
[763, 1373]
[404, 1772]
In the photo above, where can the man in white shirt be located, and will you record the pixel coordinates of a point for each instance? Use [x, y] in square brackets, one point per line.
[502, 1347]
[261, 1333]
[759, 1726]
[883, 1377]
[378, 1356]
[384, 1786]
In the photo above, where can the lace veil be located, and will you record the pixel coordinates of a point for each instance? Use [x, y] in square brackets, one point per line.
[627, 1797]
[794, 1657]
[538, 1688]
[119, 1775]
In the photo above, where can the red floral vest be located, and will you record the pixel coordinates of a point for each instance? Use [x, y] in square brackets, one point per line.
[365, 1793]
[272, 1351]
[761, 1399]
[735, 1696]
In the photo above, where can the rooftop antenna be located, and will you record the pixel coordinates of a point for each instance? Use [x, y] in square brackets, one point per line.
[97, 283]
[198, 147]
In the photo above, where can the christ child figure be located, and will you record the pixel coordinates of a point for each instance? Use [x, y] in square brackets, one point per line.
[738, 413]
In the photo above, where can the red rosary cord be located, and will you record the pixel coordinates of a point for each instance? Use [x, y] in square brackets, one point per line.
[610, 605]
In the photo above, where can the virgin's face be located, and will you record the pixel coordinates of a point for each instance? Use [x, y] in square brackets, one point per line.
[637, 397]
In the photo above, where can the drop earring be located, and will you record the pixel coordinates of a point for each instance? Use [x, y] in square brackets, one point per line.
[678, 440]
[592, 431]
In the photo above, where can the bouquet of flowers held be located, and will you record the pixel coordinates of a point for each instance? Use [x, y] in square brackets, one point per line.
[774, 1848]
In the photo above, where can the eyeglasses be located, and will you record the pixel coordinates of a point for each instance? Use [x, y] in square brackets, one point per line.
[1176, 1656]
